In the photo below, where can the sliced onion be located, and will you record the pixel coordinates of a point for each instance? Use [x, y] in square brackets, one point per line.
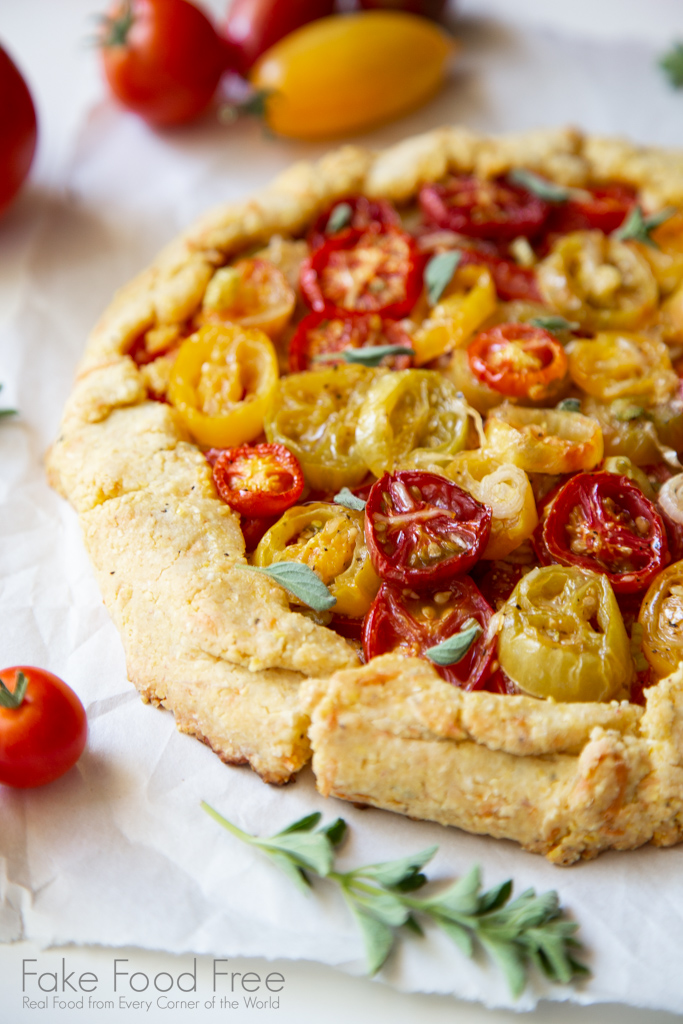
[671, 498]
[503, 490]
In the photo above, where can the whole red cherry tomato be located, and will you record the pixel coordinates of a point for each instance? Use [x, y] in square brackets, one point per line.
[43, 727]
[352, 213]
[518, 360]
[422, 529]
[364, 272]
[258, 480]
[18, 130]
[480, 208]
[604, 523]
[320, 335]
[162, 59]
[410, 625]
[253, 26]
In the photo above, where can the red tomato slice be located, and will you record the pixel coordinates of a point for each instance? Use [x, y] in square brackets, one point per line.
[497, 580]
[603, 209]
[512, 281]
[368, 215]
[318, 335]
[471, 206]
[400, 620]
[604, 523]
[258, 480]
[518, 360]
[364, 272]
[253, 529]
[422, 529]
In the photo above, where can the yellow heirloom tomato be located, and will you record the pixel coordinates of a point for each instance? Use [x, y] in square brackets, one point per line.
[315, 415]
[329, 539]
[563, 637]
[643, 436]
[222, 381]
[544, 440]
[506, 489]
[661, 616]
[467, 302]
[339, 75]
[251, 292]
[601, 282]
[615, 365]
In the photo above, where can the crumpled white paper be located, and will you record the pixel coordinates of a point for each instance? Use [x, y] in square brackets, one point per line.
[118, 851]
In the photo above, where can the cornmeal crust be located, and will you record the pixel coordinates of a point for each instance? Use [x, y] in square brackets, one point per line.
[221, 648]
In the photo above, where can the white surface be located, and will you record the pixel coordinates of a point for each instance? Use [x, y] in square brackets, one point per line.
[117, 852]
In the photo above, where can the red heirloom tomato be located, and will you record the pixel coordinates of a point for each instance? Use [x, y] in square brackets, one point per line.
[18, 130]
[518, 360]
[320, 335]
[604, 523]
[422, 529]
[253, 26]
[353, 213]
[400, 620]
[43, 732]
[258, 480]
[483, 209]
[162, 58]
[364, 272]
[604, 209]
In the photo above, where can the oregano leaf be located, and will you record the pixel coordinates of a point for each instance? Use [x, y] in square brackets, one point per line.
[378, 938]
[392, 872]
[348, 499]
[335, 831]
[438, 273]
[541, 187]
[454, 649]
[299, 580]
[304, 824]
[459, 935]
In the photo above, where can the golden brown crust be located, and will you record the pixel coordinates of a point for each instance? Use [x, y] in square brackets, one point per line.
[221, 648]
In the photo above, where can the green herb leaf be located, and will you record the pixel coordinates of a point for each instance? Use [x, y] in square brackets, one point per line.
[335, 831]
[346, 498]
[569, 405]
[459, 899]
[393, 872]
[8, 412]
[459, 935]
[383, 906]
[671, 64]
[303, 824]
[623, 410]
[639, 228]
[438, 273]
[13, 698]
[639, 659]
[371, 355]
[341, 216]
[378, 938]
[299, 580]
[453, 650]
[547, 190]
[510, 960]
[554, 324]
[310, 850]
[414, 925]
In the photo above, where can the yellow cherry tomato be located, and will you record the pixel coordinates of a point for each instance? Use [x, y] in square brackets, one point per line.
[661, 616]
[329, 539]
[642, 435]
[602, 283]
[563, 637]
[506, 489]
[251, 292]
[467, 302]
[616, 364]
[340, 75]
[544, 440]
[666, 260]
[222, 381]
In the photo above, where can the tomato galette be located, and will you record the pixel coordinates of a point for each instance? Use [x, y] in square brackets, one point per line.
[381, 467]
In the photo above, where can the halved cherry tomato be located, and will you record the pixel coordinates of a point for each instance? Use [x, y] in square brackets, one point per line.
[422, 529]
[403, 621]
[496, 580]
[518, 361]
[483, 209]
[512, 281]
[364, 273]
[357, 213]
[251, 292]
[604, 523]
[661, 616]
[544, 440]
[468, 301]
[603, 208]
[258, 480]
[321, 335]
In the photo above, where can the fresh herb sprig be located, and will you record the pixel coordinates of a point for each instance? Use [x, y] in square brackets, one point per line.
[7, 412]
[530, 930]
[671, 64]
[297, 579]
[638, 228]
[372, 355]
[439, 272]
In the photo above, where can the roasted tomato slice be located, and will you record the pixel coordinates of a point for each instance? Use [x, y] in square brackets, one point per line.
[518, 360]
[604, 523]
[258, 480]
[364, 272]
[353, 213]
[401, 620]
[483, 209]
[251, 292]
[321, 335]
[422, 529]
[602, 209]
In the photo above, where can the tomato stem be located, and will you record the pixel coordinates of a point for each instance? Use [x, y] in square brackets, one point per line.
[115, 28]
[254, 106]
[13, 699]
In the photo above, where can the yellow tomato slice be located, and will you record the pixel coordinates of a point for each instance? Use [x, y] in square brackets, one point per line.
[251, 292]
[616, 364]
[329, 539]
[544, 440]
[467, 302]
[340, 75]
[222, 382]
[661, 615]
[563, 637]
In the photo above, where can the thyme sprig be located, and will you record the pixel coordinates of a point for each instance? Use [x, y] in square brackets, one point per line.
[530, 930]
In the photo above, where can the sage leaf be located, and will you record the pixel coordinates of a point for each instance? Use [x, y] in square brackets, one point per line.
[639, 228]
[370, 355]
[438, 273]
[393, 872]
[554, 324]
[378, 938]
[671, 64]
[299, 580]
[541, 187]
[569, 405]
[339, 218]
[453, 650]
[348, 499]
